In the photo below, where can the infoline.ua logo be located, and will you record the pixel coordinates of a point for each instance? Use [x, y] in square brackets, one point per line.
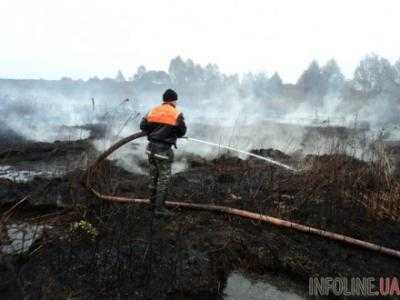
[354, 286]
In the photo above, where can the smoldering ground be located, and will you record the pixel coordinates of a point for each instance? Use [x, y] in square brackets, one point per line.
[228, 118]
[95, 248]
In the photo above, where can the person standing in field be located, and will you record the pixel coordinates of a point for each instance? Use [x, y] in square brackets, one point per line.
[163, 125]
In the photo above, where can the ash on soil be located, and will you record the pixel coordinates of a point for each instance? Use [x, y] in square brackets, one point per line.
[121, 250]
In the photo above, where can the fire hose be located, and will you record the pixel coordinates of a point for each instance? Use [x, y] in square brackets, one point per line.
[229, 210]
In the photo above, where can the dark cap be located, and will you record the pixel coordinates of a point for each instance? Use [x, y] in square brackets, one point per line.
[170, 95]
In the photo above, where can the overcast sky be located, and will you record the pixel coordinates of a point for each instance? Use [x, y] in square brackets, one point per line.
[53, 38]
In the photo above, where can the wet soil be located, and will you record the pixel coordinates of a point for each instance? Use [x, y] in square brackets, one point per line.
[121, 250]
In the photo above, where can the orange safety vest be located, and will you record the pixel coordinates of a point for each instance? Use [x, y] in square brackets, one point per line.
[163, 114]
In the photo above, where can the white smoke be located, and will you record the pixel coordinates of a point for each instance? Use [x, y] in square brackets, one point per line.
[228, 118]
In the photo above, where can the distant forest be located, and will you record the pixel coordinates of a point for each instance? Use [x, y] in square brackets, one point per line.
[375, 84]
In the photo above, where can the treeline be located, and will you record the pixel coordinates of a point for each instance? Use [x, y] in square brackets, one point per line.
[375, 82]
[374, 88]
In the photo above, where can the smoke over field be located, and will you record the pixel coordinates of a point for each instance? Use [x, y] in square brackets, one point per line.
[286, 182]
[335, 147]
[247, 111]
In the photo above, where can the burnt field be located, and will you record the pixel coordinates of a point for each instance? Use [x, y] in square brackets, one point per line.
[89, 248]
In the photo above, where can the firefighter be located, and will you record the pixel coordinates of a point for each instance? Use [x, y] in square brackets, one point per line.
[163, 125]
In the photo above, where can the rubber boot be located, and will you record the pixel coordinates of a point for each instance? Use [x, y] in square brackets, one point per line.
[161, 210]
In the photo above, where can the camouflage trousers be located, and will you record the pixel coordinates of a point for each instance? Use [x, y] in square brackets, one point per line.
[160, 174]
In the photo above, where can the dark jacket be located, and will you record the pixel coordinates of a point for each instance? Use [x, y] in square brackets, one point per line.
[163, 125]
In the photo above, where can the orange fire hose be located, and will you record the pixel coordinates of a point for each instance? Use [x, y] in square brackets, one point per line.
[230, 210]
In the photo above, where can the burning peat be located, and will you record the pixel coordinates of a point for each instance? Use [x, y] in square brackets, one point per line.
[79, 246]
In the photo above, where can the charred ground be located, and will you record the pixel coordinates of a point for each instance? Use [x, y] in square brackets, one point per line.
[99, 249]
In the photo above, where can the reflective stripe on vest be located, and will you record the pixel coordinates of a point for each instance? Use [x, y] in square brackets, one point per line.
[164, 114]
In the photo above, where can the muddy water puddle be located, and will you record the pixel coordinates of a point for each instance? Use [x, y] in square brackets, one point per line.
[242, 286]
[17, 238]
[22, 175]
